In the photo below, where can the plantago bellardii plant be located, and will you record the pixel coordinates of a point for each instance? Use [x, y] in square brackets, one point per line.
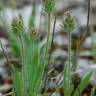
[33, 73]
[32, 68]
[69, 26]
[18, 30]
[48, 8]
[29, 79]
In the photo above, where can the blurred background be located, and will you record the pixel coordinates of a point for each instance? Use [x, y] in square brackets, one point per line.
[85, 57]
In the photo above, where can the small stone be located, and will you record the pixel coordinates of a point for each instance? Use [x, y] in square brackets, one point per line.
[5, 88]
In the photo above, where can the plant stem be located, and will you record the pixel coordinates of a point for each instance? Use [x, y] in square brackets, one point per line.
[6, 57]
[69, 58]
[87, 26]
[88, 16]
[46, 47]
[4, 52]
[88, 31]
[22, 60]
[48, 36]
[52, 39]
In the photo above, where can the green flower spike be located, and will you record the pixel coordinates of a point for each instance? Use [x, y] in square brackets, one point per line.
[69, 26]
[69, 22]
[48, 5]
[17, 25]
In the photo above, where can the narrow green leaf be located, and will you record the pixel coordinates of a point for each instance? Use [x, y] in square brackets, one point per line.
[17, 81]
[83, 84]
[66, 78]
[69, 92]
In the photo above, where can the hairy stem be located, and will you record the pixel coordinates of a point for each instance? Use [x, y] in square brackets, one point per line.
[69, 58]
[47, 46]
[48, 37]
